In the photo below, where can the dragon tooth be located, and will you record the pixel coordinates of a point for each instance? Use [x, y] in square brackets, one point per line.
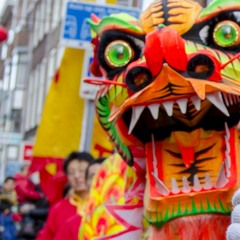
[136, 112]
[196, 184]
[235, 99]
[227, 130]
[182, 103]
[222, 180]
[154, 156]
[225, 96]
[217, 100]
[228, 159]
[168, 107]
[208, 183]
[175, 188]
[154, 109]
[230, 98]
[226, 163]
[196, 102]
[228, 172]
[185, 187]
[161, 187]
[228, 148]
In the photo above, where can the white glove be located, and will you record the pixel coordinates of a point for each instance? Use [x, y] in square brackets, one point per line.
[233, 231]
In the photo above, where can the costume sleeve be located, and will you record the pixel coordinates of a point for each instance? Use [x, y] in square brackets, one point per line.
[70, 229]
[64, 233]
[27, 190]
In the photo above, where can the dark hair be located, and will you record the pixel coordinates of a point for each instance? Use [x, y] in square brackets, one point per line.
[9, 178]
[5, 204]
[80, 156]
[99, 160]
[66, 189]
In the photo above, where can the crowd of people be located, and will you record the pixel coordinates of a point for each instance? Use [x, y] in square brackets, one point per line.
[25, 212]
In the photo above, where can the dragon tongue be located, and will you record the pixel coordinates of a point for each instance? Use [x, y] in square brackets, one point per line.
[187, 143]
[187, 155]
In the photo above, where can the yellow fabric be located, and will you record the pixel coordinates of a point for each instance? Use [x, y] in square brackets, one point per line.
[79, 202]
[9, 196]
[51, 168]
[107, 187]
[101, 145]
[60, 127]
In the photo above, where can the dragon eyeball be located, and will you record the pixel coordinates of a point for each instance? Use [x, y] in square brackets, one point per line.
[118, 53]
[226, 34]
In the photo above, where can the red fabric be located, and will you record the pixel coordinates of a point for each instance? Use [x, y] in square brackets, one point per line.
[58, 216]
[70, 229]
[52, 186]
[17, 217]
[38, 163]
[3, 34]
[25, 189]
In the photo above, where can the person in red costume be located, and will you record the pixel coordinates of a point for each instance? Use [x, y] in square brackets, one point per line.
[74, 167]
[25, 188]
[70, 229]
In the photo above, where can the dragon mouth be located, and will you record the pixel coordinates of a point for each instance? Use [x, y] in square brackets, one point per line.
[171, 173]
[183, 114]
[183, 138]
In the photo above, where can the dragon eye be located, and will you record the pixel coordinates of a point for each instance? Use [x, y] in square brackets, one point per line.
[226, 34]
[118, 53]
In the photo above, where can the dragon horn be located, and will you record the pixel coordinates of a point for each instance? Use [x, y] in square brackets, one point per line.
[95, 18]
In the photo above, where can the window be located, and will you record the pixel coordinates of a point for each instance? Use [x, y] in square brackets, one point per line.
[56, 12]
[14, 68]
[34, 97]
[29, 102]
[36, 27]
[48, 18]
[6, 77]
[16, 117]
[21, 70]
[51, 67]
[41, 89]
[42, 19]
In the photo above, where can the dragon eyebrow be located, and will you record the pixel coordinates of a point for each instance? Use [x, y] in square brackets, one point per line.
[100, 82]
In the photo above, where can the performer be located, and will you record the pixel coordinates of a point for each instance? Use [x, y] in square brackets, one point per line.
[71, 228]
[74, 167]
[171, 89]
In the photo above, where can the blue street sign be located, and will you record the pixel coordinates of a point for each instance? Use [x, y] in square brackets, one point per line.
[75, 29]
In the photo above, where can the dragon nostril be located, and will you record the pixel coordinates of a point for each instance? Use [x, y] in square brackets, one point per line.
[200, 66]
[137, 78]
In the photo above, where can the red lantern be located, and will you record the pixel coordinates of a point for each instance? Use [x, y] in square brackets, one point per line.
[3, 34]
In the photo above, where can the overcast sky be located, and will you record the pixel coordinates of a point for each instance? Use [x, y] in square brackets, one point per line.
[145, 3]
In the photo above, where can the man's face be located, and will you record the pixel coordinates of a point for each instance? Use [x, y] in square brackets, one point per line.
[76, 175]
[9, 185]
[92, 170]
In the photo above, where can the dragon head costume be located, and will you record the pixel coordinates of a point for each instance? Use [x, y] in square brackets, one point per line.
[171, 91]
